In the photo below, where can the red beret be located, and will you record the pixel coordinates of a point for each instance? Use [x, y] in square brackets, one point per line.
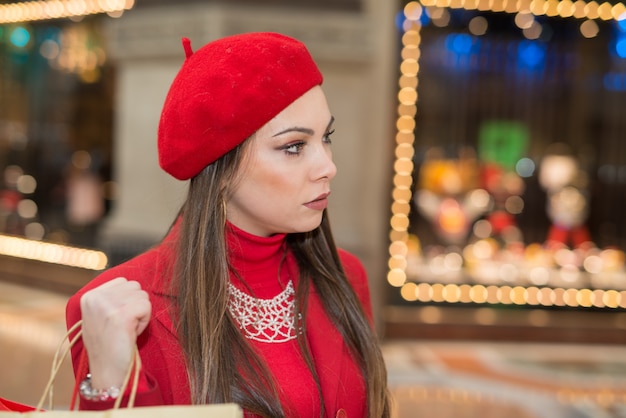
[226, 91]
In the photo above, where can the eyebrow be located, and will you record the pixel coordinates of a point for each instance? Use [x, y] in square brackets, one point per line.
[303, 130]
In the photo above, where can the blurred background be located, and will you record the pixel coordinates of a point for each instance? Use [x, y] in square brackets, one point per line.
[481, 148]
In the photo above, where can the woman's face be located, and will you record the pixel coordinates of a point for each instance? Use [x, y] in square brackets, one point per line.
[286, 173]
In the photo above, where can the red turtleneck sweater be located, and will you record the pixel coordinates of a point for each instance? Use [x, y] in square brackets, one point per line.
[256, 260]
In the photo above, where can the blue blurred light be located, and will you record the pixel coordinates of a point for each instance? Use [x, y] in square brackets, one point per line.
[621, 23]
[20, 37]
[531, 55]
[400, 21]
[459, 43]
[614, 81]
[620, 47]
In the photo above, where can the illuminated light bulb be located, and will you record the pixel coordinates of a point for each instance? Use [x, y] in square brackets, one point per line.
[401, 195]
[569, 273]
[400, 222]
[524, 20]
[552, 8]
[532, 295]
[585, 298]
[26, 184]
[493, 294]
[409, 292]
[424, 292]
[478, 26]
[534, 31]
[396, 277]
[504, 295]
[579, 9]
[539, 276]
[480, 198]
[440, 17]
[618, 11]
[50, 253]
[410, 52]
[453, 261]
[27, 208]
[397, 262]
[401, 208]
[402, 181]
[437, 266]
[593, 264]
[482, 229]
[483, 249]
[559, 296]
[465, 293]
[565, 8]
[546, 297]
[437, 292]
[598, 298]
[613, 259]
[570, 297]
[410, 68]
[413, 10]
[405, 123]
[514, 205]
[508, 272]
[605, 11]
[397, 236]
[478, 294]
[404, 166]
[564, 257]
[591, 10]
[611, 299]
[411, 37]
[451, 293]
[34, 230]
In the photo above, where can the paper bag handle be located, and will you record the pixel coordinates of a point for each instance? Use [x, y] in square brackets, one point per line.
[58, 359]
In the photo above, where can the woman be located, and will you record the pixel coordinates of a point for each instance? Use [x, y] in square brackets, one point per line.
[247, 299]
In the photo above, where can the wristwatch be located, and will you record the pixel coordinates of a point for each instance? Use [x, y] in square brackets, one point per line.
[87, 392]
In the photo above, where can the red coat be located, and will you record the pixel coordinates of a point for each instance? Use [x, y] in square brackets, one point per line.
[164, 380]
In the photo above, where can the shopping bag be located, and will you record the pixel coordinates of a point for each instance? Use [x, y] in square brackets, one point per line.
[10, 409]
[7, 405]
[166, 411]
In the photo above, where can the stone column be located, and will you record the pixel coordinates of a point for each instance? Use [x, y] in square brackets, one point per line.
[355, 52]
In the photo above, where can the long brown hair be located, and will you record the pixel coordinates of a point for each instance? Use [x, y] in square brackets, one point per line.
[222, 367]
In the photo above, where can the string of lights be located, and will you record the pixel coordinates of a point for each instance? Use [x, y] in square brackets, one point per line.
[404, 245]
[28, 11]
[52, 253]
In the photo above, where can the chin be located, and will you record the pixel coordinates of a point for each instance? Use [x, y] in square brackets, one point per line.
[308, 226]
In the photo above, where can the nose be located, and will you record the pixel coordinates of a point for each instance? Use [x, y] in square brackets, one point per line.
[325, 168]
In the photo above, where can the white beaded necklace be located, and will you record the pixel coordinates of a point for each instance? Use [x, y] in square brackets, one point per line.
[265, 320]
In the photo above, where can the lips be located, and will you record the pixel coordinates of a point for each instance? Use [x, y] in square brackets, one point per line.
[319, 203]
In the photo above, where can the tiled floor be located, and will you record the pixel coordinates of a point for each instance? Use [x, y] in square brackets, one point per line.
[427, 378]
[31, 327]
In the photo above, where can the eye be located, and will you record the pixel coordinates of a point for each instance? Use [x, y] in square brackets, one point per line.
[327, 138]
[293, 148]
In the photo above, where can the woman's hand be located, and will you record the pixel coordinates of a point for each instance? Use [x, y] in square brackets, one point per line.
[114, 314]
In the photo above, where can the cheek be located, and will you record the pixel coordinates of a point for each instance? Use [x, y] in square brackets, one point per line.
[272, 179]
